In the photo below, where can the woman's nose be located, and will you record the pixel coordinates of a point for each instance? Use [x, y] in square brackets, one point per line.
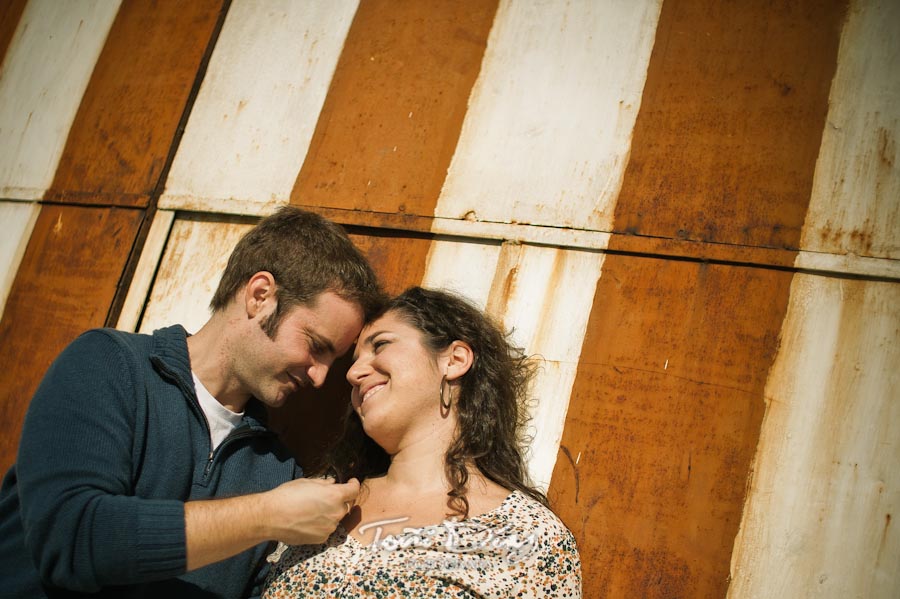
[357, 371]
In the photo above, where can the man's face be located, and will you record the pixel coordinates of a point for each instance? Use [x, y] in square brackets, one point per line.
[308, 340]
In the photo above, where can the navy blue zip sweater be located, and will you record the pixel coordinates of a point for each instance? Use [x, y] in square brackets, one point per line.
[113, 444]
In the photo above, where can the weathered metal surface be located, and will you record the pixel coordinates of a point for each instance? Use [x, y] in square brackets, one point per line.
[663, 422]
[731, 121]
[463, 266]
[251, 124]
[189, 271]
[123, 131]
[18, 220]
[145, 271]
[547, 134]
[45, 72]
[543, 295]
[393, 114]
[399, 258]
[10, 12]
[825, 491]
[64, 285]
[855, 204]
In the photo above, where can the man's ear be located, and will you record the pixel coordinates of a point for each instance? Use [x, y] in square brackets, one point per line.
[459, 359]
[259, 292]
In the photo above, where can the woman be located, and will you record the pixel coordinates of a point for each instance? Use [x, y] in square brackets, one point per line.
[445, 509]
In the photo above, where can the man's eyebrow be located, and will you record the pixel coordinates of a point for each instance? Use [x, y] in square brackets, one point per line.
[322, 342]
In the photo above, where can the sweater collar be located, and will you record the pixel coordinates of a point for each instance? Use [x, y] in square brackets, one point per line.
[170, 347]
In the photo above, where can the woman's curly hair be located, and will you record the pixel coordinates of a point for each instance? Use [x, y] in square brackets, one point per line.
[491, 406]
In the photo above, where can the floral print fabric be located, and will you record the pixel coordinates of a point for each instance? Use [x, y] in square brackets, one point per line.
[519, 549]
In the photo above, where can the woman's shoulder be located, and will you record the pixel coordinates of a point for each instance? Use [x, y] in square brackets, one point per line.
[520, 510]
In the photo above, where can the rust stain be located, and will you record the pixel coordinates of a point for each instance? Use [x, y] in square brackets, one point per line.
[731, 120]
[10, 14]
[75, 274]
[671, 447]
[392, 116]
[127, 119]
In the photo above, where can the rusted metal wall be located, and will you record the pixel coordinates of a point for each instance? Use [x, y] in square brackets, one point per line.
[687, 210]
[89, 119]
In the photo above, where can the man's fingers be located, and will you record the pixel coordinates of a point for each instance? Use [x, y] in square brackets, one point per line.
[349, 490]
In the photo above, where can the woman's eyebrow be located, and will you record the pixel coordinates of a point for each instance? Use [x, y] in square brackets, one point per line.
[368, 340]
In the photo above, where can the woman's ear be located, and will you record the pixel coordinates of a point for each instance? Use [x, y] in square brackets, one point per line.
[259, 291]
[459, 359]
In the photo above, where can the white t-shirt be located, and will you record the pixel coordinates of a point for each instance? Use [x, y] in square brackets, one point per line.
[221, 420]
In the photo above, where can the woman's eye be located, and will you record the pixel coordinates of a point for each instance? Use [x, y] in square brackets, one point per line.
[378, 345]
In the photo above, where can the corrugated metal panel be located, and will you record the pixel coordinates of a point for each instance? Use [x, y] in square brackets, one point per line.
[826, 483]
[18, 220]
[855, 205]
[396, 105]
[45, 72]
[544, 296]
[145, 270]
[667, 404]
[124, 128]
[399, 258]
[64, 285]
[731, 121]
[256, 111]
[663, 422]
[464, 266]
[546, 138]
[825, 487]
[190, 269]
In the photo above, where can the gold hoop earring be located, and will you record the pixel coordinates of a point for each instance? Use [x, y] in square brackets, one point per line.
[447, 405]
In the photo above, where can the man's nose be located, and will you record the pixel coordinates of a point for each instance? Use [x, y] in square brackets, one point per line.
[317, 374]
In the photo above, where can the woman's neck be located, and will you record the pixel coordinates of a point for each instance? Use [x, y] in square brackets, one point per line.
[419, 466]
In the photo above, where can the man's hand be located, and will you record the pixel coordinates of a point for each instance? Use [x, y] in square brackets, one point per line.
[307, 510]
[301, 511]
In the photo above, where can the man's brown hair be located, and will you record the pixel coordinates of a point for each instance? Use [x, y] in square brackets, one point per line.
[307, 255]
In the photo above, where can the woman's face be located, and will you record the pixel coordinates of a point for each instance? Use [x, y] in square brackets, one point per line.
[396, 383]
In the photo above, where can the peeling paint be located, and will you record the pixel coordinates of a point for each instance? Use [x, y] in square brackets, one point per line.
[827, 472]
[547, 133]
[45, 72]
[855, 203]
[261, 60]
[189, 272]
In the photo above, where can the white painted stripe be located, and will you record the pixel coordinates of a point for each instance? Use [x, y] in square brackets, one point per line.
[257, 108]
[855, 204]
[544, 296]
[850, 264]
[46, 69]
[195, 257]
[826, 482]
[464, 267]
[18, 220]
[145, 271]
[548, 132]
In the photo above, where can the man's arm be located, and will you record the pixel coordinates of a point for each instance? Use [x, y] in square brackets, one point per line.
[85, 529]
[297, 512]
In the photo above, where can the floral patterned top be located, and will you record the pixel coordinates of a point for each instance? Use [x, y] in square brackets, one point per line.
[519, 549]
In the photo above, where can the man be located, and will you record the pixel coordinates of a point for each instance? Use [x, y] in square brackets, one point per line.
[145, 468]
